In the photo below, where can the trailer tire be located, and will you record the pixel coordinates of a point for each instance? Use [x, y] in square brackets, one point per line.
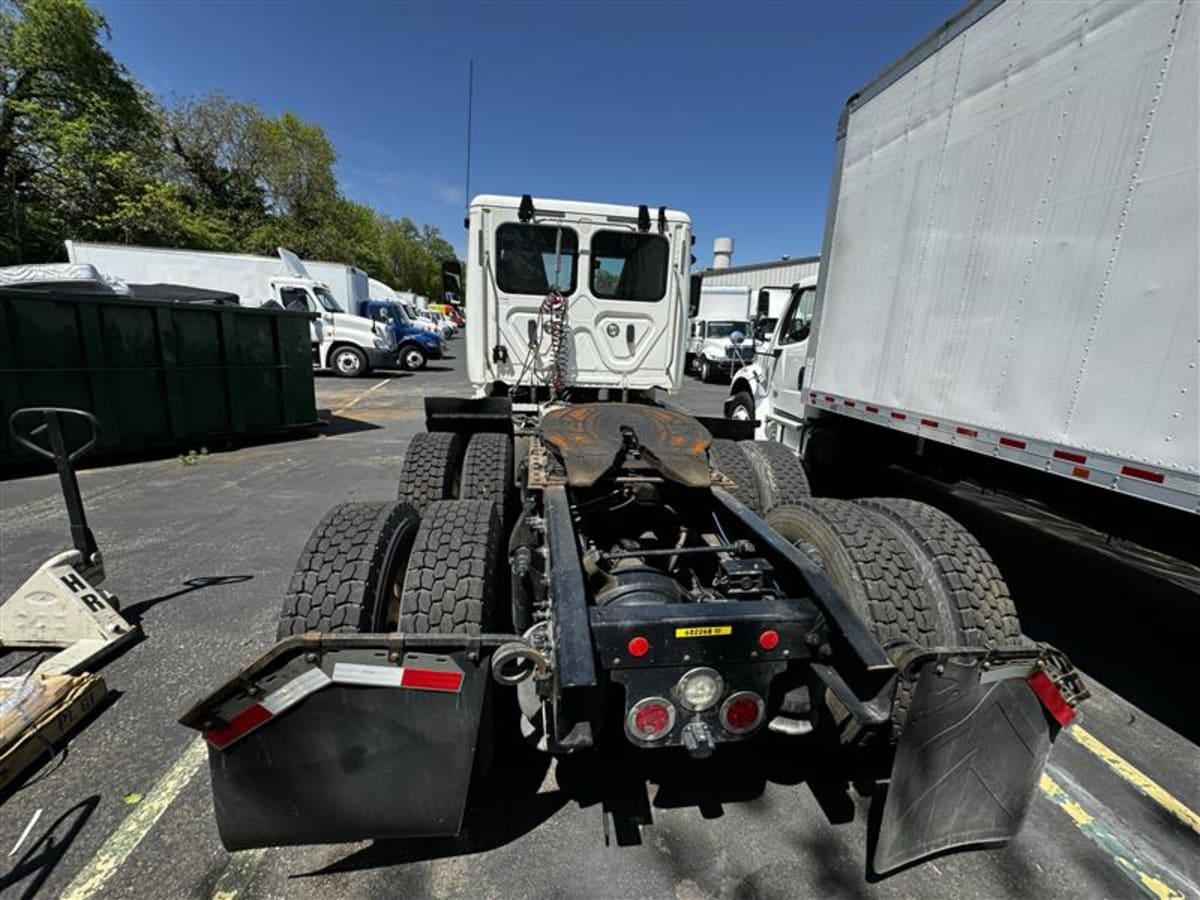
[873, 571]
[958, 572]
[349, 574]
[487, 472]
[452, 578]
[431, 468]
[727, 458]
[781, 476]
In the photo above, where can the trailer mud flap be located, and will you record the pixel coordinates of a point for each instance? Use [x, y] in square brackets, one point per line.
[968, 762]
[344, 743]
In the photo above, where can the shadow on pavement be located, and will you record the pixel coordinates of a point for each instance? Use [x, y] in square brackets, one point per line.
[48, 849]
[334, 424]
[133, 611]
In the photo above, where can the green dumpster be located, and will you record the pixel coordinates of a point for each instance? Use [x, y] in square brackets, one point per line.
[156, 374]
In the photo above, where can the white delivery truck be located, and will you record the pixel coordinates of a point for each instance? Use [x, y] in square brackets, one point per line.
[722, 313]
[1009, 278]
[349, 285]
[348, 344]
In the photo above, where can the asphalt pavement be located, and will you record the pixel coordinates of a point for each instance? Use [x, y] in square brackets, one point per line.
[199, 554]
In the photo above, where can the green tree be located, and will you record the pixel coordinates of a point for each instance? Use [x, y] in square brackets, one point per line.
[75, 129]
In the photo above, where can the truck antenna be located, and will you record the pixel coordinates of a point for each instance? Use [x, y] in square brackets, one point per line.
[470, 106]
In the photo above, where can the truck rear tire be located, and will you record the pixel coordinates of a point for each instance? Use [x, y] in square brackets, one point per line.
[781, 475]
[875, 574]
[452, 578]
[728, 459]
[349, 574]
[957, 571]
[348, 361]
[431, 468]
[487, 472]
[706, 371]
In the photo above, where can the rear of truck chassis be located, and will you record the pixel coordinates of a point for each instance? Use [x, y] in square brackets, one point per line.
[632, 592]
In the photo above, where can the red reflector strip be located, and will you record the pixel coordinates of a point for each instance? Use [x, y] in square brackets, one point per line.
[1051, 697]
[929, 423]
[243, 723]
[1069, 456]
[898, 415]
[967, 432]
[812, 398]
[872, 409]
[431, 680]
[1146, 474]
[848, 402]
[829, 399]
[1012, 442]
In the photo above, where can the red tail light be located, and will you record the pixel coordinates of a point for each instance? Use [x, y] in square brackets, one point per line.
[651, 719]
[742, 712]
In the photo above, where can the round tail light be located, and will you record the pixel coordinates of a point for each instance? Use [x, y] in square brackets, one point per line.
[742, 712]
[651, 719]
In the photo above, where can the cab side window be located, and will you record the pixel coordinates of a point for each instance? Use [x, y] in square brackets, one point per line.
[797, 321]
[295, 298]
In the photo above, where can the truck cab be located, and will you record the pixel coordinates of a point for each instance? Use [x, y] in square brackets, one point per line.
[349, 345]
[769, 388]
[594, 295]
[414, 345]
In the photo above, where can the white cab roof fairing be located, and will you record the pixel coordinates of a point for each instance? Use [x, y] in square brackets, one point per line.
[292, 263]
[547, 206]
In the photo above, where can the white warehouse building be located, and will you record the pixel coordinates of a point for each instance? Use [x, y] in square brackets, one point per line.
[777, 273]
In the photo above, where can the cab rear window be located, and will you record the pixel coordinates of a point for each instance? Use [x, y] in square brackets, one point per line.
[530, 259]
[629, 266]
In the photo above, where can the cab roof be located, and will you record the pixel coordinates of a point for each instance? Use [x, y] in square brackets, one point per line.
[574, 209]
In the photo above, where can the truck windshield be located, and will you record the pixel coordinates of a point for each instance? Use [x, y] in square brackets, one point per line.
[725, 329]
[326, 300]
[628, 266]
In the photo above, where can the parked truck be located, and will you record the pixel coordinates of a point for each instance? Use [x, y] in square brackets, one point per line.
[570, 556]
[348, 344]
[1009, 273]
[719, 333]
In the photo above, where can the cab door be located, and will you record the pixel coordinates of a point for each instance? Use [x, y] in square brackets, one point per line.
[299, 299]
[786, 379]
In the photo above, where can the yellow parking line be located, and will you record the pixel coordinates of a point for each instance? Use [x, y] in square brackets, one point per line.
[1144, 783]
[122, 842]
[370, 390]
[1099, 834]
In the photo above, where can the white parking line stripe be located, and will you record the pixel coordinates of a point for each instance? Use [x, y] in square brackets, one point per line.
[122, 842]
[370, 390]
[238, 872]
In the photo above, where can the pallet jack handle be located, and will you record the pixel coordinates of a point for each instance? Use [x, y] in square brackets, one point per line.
[30, 422]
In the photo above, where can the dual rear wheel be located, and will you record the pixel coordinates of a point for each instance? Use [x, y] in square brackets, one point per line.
[427, 563]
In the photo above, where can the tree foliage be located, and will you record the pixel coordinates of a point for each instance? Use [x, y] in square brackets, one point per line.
[86, 153]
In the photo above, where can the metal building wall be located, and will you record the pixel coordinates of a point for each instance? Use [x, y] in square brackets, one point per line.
[783, 273]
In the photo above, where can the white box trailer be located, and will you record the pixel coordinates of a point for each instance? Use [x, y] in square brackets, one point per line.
[343, 341]
[1010, 264]
[349, 284]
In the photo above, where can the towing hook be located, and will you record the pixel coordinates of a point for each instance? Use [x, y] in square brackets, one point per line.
[512, 652]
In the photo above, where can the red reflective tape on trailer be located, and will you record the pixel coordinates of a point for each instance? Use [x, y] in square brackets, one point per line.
[1012, 442]
[431, 680]
[848, 402]
[967, 432]
[929, 423]
[829, 399]
[872, 409]
[1145, 474]
[1051, 697]
[901, 416]
[812, 398]
[1069, 456]
[242, 723]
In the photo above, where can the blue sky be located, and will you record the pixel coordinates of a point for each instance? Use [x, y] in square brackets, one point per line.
[726, 110]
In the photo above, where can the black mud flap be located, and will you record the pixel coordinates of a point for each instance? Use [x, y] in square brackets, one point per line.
[342, 738]
[968, 761]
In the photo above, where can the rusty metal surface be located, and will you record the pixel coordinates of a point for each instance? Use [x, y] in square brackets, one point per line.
[592, 438]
